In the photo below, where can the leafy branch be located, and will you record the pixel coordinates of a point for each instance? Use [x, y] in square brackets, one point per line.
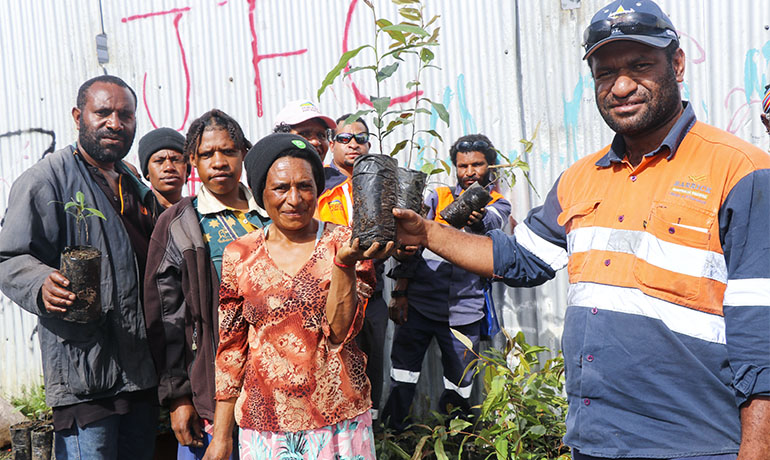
[411, 38]
[506, 169]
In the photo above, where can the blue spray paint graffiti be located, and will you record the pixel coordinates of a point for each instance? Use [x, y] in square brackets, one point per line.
[766, 54]
[571, 112]
[468, 123]
[750, 76]
[512, 155]
[420, 160]
[545, 157]
[469, 126]
[425, 145]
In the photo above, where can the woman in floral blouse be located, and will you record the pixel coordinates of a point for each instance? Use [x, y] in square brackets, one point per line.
[292, 299]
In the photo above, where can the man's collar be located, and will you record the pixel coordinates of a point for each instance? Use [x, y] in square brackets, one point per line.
[670, 143]
[333, 165]
[209, 204]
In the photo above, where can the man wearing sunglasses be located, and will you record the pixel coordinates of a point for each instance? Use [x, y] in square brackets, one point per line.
[432, 295]
[349, 141]
[664, 234]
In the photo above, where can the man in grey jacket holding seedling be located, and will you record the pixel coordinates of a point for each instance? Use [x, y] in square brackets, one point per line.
[99, 375]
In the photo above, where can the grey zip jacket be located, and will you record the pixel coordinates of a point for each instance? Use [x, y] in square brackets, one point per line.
[81, 362]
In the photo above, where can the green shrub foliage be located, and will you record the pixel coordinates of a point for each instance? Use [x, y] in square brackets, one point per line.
[521, 418]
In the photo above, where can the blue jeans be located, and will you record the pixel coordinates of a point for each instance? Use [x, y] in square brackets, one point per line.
[130, 436]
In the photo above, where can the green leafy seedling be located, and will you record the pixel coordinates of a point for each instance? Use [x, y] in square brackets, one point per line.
[392, 46]
[80, 210]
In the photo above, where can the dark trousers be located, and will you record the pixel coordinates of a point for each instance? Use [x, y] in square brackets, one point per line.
[578, 456]
[371, 340]
[410, 343]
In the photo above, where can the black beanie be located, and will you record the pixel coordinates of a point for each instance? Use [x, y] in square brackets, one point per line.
[272, 147]
[158, 139]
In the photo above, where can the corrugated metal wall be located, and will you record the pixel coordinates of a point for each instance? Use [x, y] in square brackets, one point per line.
[507, 67]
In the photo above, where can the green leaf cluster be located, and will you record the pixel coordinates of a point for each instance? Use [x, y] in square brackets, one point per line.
[31, 403]
[505, 171]
[80, 211]
[521, 417]
[524, 408]
[409, 39]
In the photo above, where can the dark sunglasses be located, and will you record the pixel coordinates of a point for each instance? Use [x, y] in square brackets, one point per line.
[475, 146]
[344, 138]
[628, 24]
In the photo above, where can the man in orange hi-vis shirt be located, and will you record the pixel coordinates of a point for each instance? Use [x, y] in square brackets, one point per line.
[664, 234]
[348, 142]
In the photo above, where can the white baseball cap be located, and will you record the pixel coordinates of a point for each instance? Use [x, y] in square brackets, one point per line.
[295, 112]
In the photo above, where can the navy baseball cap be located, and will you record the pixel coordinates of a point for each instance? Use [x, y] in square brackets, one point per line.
[641, 21]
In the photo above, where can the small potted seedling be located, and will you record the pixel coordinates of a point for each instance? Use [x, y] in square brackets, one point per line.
[81, 264]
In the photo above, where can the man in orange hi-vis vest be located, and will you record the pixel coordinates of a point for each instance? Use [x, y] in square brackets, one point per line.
[432, 295]
[335, 205]
[348, 142]
[664, 235]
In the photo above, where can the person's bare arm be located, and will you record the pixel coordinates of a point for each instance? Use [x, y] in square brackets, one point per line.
[755, 429]
[468, 251]
[221, 445]
[343, 297]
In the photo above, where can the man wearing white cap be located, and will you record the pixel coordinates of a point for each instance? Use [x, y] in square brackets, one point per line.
[303, 118]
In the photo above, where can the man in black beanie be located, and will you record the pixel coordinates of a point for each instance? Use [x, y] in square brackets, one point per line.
[164, 164]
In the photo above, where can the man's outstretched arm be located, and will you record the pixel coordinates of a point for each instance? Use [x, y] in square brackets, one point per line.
[529, 257]
[466, 250]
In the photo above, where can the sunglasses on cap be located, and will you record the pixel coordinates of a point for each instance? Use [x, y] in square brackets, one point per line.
[475, 146]
[344, 138]
[628, 24]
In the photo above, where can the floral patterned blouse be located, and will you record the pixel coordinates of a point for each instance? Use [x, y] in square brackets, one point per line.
[274, 351]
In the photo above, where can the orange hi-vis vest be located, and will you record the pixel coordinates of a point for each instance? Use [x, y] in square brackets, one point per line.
[336, 204]
[657, 228]
[445, 197]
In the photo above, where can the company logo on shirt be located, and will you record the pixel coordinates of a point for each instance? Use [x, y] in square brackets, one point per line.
[336, 206]
[693, 188]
